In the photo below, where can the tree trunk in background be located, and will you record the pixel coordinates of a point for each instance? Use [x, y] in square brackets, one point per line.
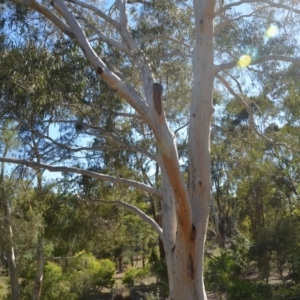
[37, 289]
[219, 235]
[120, 263]
[162, 253]
[10, 254]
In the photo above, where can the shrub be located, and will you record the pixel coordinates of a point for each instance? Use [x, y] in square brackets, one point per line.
[133, 274]
[247, 290]
[158, 267]
[287, 292]
[89, 275]
[220, 273]
[105, 274]
[55, 285]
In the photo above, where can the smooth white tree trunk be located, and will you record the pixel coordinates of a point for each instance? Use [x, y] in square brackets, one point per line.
[185, 258]
[184, 271]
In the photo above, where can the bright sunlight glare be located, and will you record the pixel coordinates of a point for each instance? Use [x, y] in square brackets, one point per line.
[244, 61]
[272, 31]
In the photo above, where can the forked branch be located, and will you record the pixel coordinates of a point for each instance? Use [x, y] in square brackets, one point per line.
[144, 217]
[112, 42]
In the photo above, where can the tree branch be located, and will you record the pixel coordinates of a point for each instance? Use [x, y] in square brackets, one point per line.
[123, 90]
[123, 14]
[163, 38]
[181, 127]
[103, 177]
[127, 115]
[138, 57]
[252, 125]
[271, 3]
[172, 54]
[102, 37]
[45, 12]
[99, 129]
[259, 60]
[125, 148]
[97, 11]
[144, 217]
[233, 135]
[219, 27]
[139, 1]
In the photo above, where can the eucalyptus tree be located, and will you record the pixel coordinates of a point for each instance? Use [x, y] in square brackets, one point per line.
[232, 44]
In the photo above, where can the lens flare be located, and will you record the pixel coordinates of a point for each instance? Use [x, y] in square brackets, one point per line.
[272, 31]
[244, 61]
